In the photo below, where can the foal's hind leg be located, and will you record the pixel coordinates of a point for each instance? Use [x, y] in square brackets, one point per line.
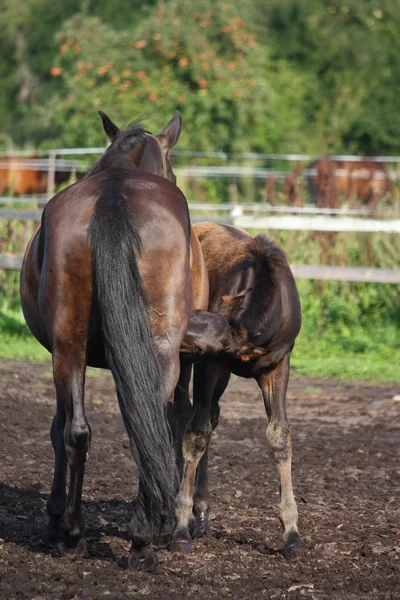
[201, 496]
[273, 386]
[69, 363]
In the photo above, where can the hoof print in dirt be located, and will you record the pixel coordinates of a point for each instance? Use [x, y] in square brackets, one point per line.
[202, 528]
[293, 546]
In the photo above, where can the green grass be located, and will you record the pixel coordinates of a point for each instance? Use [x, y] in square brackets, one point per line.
[319, 358]
[16, 341]
[350, 354]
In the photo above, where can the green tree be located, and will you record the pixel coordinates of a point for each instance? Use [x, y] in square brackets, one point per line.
[207, 63]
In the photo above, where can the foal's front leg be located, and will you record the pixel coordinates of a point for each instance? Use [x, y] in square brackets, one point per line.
[201, 496]
[274, 385]
[195, 441]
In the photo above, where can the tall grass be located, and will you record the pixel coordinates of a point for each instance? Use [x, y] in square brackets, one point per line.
[350, 330]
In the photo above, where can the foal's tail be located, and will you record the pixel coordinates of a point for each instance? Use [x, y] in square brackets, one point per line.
[129, 348]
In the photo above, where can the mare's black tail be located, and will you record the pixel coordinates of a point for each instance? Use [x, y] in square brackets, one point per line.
[129, 348]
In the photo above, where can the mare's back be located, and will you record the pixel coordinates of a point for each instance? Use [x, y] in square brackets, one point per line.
[152, 199]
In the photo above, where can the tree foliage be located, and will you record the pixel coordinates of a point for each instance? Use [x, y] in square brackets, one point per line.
[282, 76]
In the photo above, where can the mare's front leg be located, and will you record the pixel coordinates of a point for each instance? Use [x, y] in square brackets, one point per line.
[195, 442]
[273, 386]
[201, 496]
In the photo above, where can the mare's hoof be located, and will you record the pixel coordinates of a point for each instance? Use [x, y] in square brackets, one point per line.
[201, 526]
[162, 539]
[73, 548]
[52, 534]
[49, 537]
[292, 546]
[142, 560]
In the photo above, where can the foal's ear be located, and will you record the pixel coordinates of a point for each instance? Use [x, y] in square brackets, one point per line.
[234, 304]
[170, 134]
[109, 127]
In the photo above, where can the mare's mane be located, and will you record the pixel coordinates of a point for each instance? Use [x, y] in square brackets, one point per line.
[123, 143]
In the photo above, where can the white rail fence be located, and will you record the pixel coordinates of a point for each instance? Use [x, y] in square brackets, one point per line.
[254, 217]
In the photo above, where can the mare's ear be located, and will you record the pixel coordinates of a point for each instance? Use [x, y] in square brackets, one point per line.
[170, 134]
[109, 127]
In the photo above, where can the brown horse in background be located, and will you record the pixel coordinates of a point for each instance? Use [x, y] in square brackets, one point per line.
[111, 250]
[20, 175]
[270, 313]
[365, 179]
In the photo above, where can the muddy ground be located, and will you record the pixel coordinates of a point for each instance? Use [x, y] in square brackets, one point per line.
[346, 479]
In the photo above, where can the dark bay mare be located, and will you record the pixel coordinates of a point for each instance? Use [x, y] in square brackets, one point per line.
[270, 313]
[146, 160]
[111, 250]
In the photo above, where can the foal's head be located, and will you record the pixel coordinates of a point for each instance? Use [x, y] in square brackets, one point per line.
[146, 151]
[212, 334]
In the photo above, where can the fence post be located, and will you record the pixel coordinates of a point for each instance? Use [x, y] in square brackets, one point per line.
[51, 175]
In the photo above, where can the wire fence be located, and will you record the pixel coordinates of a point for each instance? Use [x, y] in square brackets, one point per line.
[262, 216]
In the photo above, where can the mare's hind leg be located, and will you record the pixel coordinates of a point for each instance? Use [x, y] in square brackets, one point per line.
[69, 363]
[201, 496]
[273, 386]
[57, 500]
[195, 441]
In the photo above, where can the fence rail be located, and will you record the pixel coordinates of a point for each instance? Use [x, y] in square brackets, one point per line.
[257, 222]
[363, 274]
[226, 171]
[196, 154]
[256, 217]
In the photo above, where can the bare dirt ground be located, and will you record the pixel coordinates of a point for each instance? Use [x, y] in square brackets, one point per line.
[346, 477]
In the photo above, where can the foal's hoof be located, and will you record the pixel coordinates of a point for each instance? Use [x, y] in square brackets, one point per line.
[142, 560]
[201, 526]
[292, 546]
[181, 542]
[180, 547]
[73, 548]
